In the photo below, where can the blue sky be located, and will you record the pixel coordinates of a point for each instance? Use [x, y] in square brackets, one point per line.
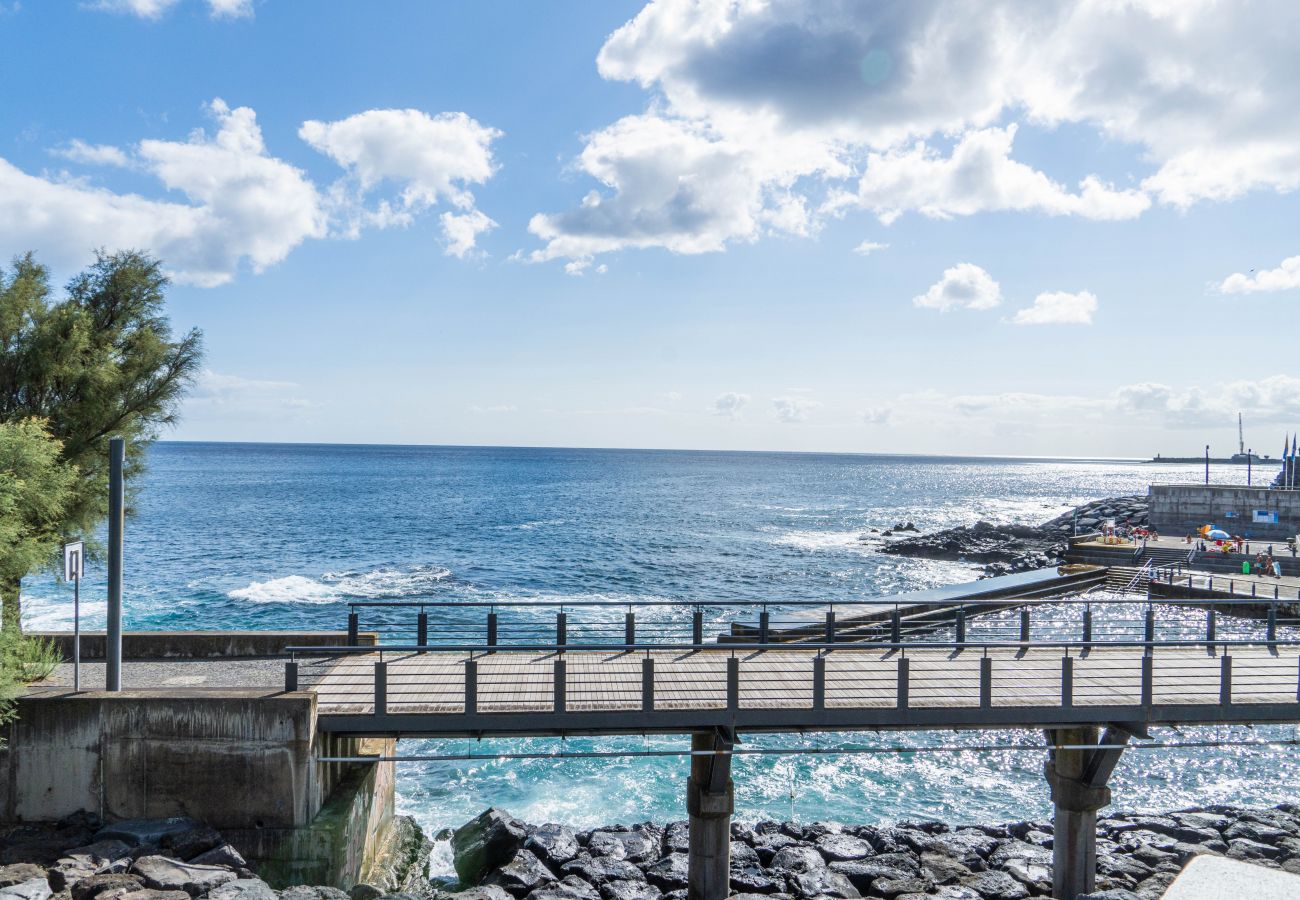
[895, 227]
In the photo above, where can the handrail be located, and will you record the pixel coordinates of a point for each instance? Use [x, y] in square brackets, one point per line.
[1137, 576]
[763, 604]
[872, 646]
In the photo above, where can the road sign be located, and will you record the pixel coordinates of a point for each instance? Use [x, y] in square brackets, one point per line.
[74, 560]
[74, 567]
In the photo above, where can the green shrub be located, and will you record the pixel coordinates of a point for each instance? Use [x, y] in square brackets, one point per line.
[23, 659]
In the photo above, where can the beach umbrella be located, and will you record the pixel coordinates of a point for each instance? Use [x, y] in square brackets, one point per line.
[1218, 534]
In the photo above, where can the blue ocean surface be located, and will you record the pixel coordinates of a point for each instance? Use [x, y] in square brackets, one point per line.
[285, 536]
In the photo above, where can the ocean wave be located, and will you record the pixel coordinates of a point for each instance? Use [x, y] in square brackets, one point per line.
[289, 589]
[48, 614]
[333, 587]
[806, 539]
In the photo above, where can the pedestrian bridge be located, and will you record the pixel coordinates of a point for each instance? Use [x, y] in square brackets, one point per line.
[1091, 672]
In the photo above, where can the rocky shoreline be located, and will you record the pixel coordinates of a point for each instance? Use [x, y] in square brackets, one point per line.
[1004, 549]
[499, 857]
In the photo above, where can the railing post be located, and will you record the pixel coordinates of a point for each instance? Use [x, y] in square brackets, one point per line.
[1149, 630]
[764, 621]
[1253, 585]
[471, 687]
[1148, 673]
[1225, 680]
[896, 627]
[986, 682]
[1211, 623]
[381, 688]
[1087, 625]
[830, 626]
[961, 624]
[1272, 625]
[561, 629]
[352, 629]
[733, 683]
[492, 629]
[629, 628]
[290, 677]
[904, 686]
[697, 627]
[819, 682]
[1211, 583]
[648, 684]
[561, 686]
[422, 629]
[1067, 681]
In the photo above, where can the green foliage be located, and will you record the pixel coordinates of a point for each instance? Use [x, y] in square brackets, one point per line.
[23, 659]
[35, 488]
[100, 363]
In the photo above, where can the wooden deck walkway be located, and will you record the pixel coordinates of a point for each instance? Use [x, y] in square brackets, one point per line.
[998, 685]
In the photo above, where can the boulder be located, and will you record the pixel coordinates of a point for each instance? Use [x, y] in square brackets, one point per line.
[486, 843]
[82, 862]
[553, 844]
[821, 883]
[484, 892]
[17, 873]
[104, 885]
[222, 855]
[629, 890]
[642, 844]
[941, 868]
[677, 837]
[670, 873]
[893, 887]
[1112, 894]
[522, 874]
[995, 886]
[163, 874]
[152, 894]
[364, 891]
[841, 847]
[31, 889]
[243, 889]
[755, 880]
[137, 832]
[797, 858]
[863, 874]
[570, 887]
[320, 892]
[599, 869]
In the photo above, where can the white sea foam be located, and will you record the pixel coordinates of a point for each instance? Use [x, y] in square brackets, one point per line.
[56, 613]
[289, 589]
[810, 539]
[385, 583]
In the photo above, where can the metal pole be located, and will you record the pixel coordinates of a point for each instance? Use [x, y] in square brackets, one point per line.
[76, 633]
[116, 514]
[1207, 463]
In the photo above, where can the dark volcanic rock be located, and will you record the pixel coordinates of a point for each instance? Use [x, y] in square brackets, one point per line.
[642, 844]
[670, 872]
[629, 890]
[17, 873]
[163, 874]
[840, 847]
[486, 843]
[552, 843]
[821, 883]
[599, 869]
[570, 887]
[522, 874]
[95, 885]
[995, 886]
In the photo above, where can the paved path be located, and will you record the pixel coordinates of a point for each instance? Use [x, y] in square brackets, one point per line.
[161, 673]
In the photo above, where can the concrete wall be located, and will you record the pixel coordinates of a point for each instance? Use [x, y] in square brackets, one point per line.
[1181, 508]
[202, 644]
[242, 761]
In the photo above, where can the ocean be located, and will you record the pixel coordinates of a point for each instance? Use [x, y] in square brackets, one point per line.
[284, 536]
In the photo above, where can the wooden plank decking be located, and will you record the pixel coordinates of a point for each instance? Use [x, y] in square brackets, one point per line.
[434, 683]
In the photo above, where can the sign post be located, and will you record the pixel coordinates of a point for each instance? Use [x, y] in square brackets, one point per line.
[74, 566]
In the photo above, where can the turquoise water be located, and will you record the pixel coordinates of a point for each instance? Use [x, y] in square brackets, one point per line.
[278, 536]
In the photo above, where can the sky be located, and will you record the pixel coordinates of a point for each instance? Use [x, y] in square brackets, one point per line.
[930, 226]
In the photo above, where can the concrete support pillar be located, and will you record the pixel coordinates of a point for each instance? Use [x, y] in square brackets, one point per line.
[1077, 778]
[710, 800]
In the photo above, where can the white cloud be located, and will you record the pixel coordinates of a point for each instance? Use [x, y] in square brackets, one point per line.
[964, 286]
[214, 391]
[429, 159]
[244, 205]
[730, 404]
[877, 415]
[866, 248]
[794, 409]
[231, 9]
[156, 9]
[761, 112]
[1284, 278]
[241, 204]
[1058, 308]
[145, 9]
[462, 231]
[93, 154]
[979, 176]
